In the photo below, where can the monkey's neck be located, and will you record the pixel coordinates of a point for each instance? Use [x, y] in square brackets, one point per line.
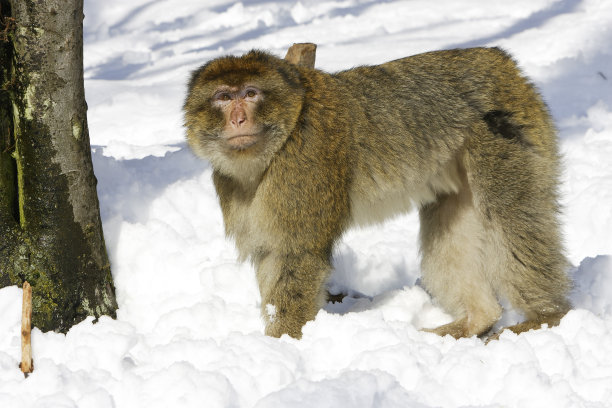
[241, 188]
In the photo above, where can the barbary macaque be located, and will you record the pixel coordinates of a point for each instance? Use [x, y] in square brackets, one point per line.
[300, 155]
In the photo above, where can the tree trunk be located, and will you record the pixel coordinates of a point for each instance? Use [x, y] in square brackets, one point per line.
[50, 228]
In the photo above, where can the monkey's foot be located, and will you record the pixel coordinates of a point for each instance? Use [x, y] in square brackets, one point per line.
[457, 329]
[461, 328]
[551, 321]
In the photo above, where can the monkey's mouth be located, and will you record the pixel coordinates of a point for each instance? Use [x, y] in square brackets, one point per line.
[241, 142]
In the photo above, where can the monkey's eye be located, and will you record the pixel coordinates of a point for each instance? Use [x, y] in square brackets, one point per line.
[251, 93]
[222, 96]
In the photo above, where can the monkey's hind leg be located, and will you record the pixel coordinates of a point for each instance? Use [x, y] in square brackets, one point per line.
[550, 320]
[292, 290]
[453, 265]
[535, 280]
[538, 289]
[516, 186]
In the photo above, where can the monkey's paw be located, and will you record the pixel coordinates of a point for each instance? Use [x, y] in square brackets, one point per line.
[457, 329]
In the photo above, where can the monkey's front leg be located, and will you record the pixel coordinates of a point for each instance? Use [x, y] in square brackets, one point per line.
[292, 290]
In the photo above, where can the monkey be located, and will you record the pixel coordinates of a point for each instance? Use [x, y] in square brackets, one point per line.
[300, 155]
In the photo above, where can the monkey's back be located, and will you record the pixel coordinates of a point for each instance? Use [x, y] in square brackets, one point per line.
[442, 99]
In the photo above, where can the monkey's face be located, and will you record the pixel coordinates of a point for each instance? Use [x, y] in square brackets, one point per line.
[225, 119]
[240, 110]
[240, 130]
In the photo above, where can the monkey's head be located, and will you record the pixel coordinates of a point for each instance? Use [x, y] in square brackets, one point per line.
[239, 111]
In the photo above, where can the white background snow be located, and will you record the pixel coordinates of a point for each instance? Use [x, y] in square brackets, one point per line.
[188, 332]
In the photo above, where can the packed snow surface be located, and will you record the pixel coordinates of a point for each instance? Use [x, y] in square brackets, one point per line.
[188, 332]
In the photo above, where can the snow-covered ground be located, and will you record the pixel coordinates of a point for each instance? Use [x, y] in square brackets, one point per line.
[188, 332]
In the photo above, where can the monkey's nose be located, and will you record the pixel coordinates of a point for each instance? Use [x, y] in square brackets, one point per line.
[237, 119]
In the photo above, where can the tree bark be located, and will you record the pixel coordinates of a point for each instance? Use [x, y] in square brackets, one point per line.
[50, 227]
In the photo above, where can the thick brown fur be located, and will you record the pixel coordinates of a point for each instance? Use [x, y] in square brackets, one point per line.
[459, 134]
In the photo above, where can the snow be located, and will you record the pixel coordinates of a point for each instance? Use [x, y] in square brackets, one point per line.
[189, 332]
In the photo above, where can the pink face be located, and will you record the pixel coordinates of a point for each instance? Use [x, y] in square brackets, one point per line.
[238, 107]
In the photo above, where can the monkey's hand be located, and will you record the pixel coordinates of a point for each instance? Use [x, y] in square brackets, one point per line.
[293, 291]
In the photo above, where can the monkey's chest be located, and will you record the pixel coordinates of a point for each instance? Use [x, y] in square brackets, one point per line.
[246, 223]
